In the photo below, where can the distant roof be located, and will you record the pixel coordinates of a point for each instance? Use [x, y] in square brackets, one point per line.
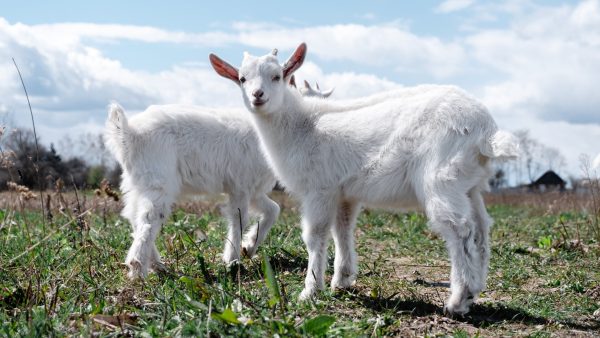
[549, 178]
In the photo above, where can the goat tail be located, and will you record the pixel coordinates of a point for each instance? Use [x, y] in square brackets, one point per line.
[118, 132]
[501, 145]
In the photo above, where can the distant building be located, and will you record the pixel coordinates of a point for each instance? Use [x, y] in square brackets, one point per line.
[548, 181]
[586, 186]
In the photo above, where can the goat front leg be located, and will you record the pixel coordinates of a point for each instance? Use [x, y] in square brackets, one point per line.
[257, 233]
[237, 213]
[318, 214]
[345, 266]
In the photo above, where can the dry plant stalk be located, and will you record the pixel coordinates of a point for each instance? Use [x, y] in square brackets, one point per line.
[24, 193]
[106, 190]
[592, 182]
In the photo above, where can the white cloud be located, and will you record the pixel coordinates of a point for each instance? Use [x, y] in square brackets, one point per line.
[547, 61]
[453, 5]
[346, 84]
[387, 45]
[390, 44]
[544, 67]
[550, 58]
[70, 82]
[67, 35]
[68, 79]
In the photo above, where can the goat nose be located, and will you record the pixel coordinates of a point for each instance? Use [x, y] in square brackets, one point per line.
[258, 93]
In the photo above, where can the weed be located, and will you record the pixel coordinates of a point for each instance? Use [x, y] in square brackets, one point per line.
[70, 280]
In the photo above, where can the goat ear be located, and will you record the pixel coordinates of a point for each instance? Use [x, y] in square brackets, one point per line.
[224, 69]
[293, 81]
[295, 61]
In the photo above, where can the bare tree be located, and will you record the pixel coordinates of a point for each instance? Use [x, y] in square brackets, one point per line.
[40, 173]
[88, 146]
[535, 158]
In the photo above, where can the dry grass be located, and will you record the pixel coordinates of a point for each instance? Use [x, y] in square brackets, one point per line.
[69, 279]
[553, 202]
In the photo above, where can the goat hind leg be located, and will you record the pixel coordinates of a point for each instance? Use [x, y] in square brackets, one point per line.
[483, 223]
[237, 214]
[450, 215]
[257, 233]
[151, 211]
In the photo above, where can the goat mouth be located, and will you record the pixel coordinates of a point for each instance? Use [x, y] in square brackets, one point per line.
[258, 103]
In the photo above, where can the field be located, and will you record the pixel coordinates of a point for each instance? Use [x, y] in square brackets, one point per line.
[63, 275]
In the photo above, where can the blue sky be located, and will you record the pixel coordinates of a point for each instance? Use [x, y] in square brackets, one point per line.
[533, 63]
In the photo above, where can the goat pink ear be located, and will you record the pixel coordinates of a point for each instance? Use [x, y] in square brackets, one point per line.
[293, 81]
[295, 61]
[224, 69]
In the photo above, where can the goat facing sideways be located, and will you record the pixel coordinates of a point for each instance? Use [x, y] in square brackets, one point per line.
[428, 146]
[172, 150]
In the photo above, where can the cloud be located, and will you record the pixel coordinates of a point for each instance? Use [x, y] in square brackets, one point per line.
[70, 83]
[389, 44]
[386, 45]
[545, 61]
[68, 78]
[67, 35]
[453, 5]
[347, 84]
[550, 60]
[536, 71]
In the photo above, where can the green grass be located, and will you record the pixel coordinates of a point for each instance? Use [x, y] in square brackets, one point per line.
[73, 283]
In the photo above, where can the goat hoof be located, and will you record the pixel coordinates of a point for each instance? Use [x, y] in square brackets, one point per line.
[343, 282]
[233, 265]
[230, 257]
[248, 251]
[136, 270]
[306, 294]
[159, 267]
[456, 310]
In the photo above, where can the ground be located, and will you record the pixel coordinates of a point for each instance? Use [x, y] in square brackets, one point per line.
[63, 275]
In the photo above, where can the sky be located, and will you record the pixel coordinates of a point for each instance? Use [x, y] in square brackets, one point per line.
[534, 64]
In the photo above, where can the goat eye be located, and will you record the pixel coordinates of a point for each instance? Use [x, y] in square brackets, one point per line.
[276, 78]
[242, 79]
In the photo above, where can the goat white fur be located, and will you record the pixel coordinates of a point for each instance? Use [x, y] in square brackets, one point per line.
[427, 146]
[171, 150]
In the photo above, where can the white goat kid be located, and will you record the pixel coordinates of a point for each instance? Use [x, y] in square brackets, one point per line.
[171, 150]
[427, 146]
[167, 151]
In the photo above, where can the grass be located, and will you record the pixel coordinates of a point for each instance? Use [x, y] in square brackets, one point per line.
[544, 277]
